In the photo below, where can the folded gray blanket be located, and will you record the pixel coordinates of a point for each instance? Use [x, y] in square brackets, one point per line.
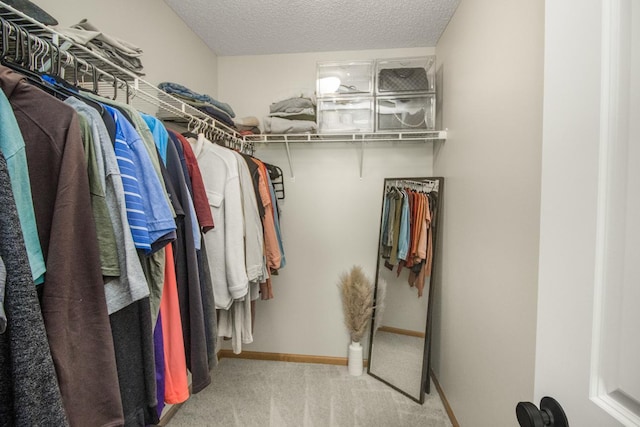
[291, 105]
[119, 51]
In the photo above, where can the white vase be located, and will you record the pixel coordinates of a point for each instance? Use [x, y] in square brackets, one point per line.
[355, 359]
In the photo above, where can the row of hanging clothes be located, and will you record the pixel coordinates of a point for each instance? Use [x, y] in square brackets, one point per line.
[408, 216]
[126, 250]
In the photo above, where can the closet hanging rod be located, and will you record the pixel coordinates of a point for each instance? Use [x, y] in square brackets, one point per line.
[429, 185]
[398, 182]
[135, 87]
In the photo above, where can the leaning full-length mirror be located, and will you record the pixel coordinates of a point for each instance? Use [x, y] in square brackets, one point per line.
[407, 251]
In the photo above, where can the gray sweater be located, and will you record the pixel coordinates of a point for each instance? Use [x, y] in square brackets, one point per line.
[3, 280]
[29, 392]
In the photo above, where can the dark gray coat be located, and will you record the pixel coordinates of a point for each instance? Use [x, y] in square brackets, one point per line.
[29, 392]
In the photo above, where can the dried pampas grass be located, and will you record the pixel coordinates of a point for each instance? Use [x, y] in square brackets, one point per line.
[357, 302]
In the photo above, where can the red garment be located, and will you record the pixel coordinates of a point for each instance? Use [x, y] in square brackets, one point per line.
[416, 224]
[200, 201]
[176, 388]
[417, 229]
[419, 279]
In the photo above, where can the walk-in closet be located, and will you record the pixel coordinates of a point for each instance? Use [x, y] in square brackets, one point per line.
[221, 232]
[292, 214]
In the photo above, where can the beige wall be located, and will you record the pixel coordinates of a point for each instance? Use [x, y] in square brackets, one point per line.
[172, 52]
[331, 215]
[492, 59]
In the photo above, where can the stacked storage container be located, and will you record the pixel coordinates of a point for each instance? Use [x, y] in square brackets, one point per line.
[405, 94]
[345, 97]
[385, 95]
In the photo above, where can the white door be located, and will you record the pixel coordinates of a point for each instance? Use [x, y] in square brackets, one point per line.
[588, 337]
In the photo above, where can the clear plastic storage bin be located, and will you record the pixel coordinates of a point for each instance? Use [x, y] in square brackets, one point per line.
[345, 115]
[344, 78]
[406, 113]
[406, 75]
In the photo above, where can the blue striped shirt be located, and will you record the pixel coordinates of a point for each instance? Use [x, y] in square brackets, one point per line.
[132, 195]
[160, 221]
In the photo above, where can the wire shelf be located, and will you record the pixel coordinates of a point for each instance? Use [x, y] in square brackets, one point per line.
[89, 70]
[348, 137]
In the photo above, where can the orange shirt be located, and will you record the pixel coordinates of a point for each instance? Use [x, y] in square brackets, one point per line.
[418, 228]
[176, 386]
[426, 220]
[270, 238]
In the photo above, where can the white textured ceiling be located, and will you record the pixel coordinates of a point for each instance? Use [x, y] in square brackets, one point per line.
[255, 27]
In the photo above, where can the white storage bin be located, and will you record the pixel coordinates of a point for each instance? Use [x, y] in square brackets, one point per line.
[406, 75]
[406, 113]
[344, 78]
[345, 115]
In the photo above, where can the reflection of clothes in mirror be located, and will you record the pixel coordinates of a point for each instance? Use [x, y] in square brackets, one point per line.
[420, 272]
[421, 211]
[387, 237]
[407, 234]
[393, 259]
[405, 228]
[393, 202]
[385, 228]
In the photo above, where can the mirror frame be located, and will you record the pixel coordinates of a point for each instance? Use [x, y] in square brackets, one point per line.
[425, 383]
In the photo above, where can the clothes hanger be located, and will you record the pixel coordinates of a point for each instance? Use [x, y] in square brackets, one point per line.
[6, 32]
[64, 88]
[22, 56]
[115, 87]
[190, 129]
[274, 171]
[25, 58]
[209, 134]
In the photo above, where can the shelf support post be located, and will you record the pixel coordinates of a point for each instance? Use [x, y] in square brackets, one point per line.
[286, 144]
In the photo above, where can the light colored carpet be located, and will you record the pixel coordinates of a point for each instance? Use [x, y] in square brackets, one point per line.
[248, 393]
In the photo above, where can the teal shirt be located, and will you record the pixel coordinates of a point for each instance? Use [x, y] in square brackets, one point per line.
[13, 150]
[405, 228]
[160, 135]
